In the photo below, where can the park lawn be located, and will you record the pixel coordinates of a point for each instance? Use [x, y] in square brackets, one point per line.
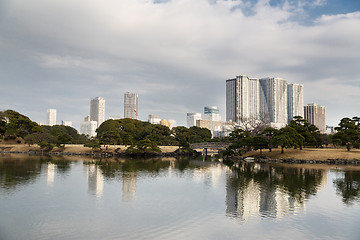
[308, 153]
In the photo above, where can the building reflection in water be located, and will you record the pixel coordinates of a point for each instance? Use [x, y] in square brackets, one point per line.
[95, 180]
[255, 189]
[129, 187]
[209, 174]
[50, 173]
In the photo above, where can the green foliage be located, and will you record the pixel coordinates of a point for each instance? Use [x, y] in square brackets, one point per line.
[287, 137]
[143, 147]
[186, 136]
[241, 139]
[93, 144]
[348, 133]
[36, 138]
[15, 124]
[310, 132]
[46, 146]
[64, 134]
[130, 131]
[259, 142]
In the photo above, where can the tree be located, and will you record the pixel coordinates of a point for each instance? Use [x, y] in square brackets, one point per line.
[143, 147]
[259, 142]
[241, 140]
[287, 137]
[310, 132]
[18, 125]
[93, 144]
[255, 124]
[348, 133]
[269, 132]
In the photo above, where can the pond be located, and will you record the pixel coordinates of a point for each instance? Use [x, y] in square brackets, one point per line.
[60, 198]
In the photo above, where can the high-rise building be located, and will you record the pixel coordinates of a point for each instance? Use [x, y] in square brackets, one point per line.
[154, 119]
[295, 101]
[315, 114]
[97, 110]
[191, 119]
[273, 100]
[242, 98]
[51, 117]
[131, 105]
[265, 99]
[212, 114]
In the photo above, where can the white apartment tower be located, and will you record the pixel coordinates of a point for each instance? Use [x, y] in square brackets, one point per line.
[51, 117]
[131, 105]
[242, 99]
[295, 101]
[315, 114]
[97, 110]
[191, 119]
[269, 99]
[273, 100]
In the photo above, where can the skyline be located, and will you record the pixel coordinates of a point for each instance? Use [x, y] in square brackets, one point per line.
[175, 54]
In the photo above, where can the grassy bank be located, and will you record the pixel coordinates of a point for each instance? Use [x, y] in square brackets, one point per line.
[73, 148]
[309, 154]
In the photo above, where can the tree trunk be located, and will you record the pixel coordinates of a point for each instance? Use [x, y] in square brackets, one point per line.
[282, 149]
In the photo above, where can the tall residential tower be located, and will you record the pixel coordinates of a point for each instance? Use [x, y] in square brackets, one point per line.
[267, 99]
[51, 117]
[131, 105]
[315, 114]
[97, 110]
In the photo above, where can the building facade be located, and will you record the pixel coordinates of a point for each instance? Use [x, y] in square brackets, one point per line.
[295, 101]
[131, 105]
[51, 117]
[273, 101]
[88, 128]
[242, 98]
[191, 119]
[315, 114]
[97, 110]
[265, 99]
[212, 113]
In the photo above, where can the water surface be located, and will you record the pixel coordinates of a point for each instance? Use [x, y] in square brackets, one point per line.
[58, 198]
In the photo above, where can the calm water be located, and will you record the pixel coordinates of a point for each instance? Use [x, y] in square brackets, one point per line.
[43, 198]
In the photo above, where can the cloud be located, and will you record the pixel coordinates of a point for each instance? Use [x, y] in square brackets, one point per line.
[176, 54]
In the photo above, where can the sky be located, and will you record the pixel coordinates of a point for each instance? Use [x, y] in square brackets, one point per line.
[176, 54]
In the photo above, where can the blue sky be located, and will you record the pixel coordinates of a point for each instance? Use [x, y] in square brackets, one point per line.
[175, 54]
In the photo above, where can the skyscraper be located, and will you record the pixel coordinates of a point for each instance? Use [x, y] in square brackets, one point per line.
[265, 99]
[295, 101]
[97, 110]
[315, 114]
[131, 105]
[51, 117]
[273, 100]
[242, 98]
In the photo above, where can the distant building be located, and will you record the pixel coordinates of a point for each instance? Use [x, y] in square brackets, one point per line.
[114, 117]
[154, 119]
[242, 98]
[315, 114]
[97, 110]
[191, 119]
[172, 123]
[87, 119]
[212, 114]
[66, 123]
[270, 100]
[88, 128]
[295, 101]
[330, 130]
[273, 98]
[51, 117]
[131, 105]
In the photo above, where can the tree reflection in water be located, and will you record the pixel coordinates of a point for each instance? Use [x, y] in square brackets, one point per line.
[269, 191]
[349, 187]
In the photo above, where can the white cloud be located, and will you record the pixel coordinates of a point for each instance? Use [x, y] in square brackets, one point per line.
[187, 45]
